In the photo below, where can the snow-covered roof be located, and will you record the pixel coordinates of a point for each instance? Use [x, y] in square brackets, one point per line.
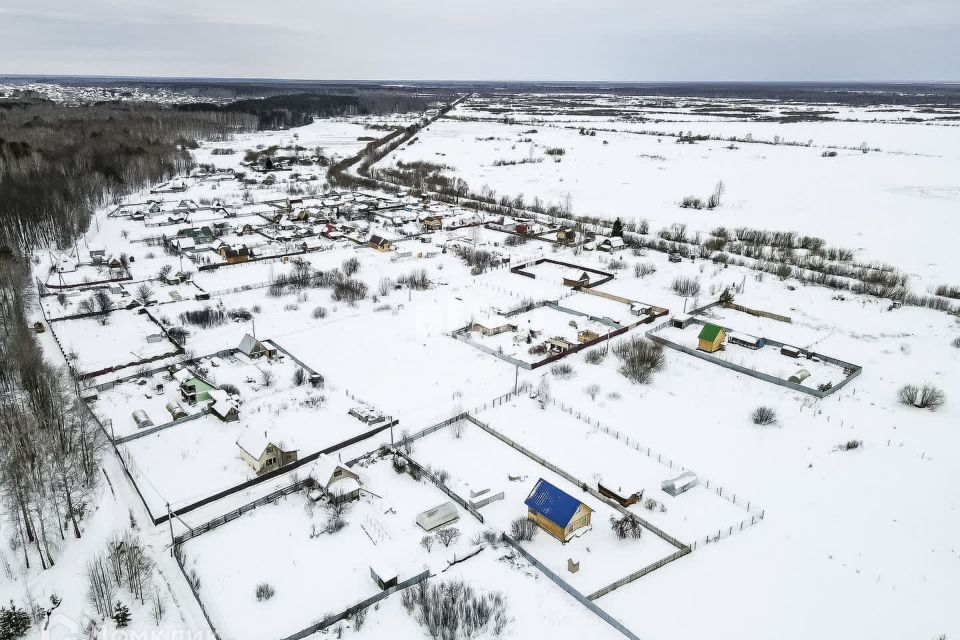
[222, 404]
[438, 516]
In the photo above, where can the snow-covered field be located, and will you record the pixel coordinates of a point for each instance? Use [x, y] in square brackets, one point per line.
[797, 532]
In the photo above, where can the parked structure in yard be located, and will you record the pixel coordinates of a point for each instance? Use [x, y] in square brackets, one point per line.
[683, 482]
[262, 455]
[621, 500]
[611, 244]
[437, 517]
[556, 512]
[711, 338]
[223, 406]
[143, 421]
[681, 321]
[491, 330]
[384, 575]
[581, 281]
[336, 481]
[799, 376]
[253, 348]
[745, 340]
[193, 388]
[381, 244]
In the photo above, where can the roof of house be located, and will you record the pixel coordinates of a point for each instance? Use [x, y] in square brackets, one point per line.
[222, 404]
[552, 503]
[322, 471]
[709, 332]
[249, 345]
[377, 240]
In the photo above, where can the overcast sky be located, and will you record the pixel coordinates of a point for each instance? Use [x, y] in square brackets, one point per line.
[486, 39]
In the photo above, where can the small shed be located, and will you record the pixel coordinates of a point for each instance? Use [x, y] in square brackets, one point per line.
[745, 340]
[580, 281]
[438, 516]
[380, 244]
[799, 376]
[711, 338]
[555, 511]
[384, 575]
[586, 335]
[612, 244]
[789, 351]
[683, 482]
[253, 348]
[176, 411]
[142, 419]
[681, 321]
[223, 406]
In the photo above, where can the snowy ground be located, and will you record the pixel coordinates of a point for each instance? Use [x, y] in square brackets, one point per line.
[853, 543]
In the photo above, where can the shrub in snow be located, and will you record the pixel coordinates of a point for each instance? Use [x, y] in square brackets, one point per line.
[650, 504]
[427, 542]
[592, 391]
[350, 266]
[643, 269]
[640, 358]
[686, 287]
[240, 314]
[206, 317]
[265, 591]
[178, 335]
[399, 464]
[453, 610]
[319, 313]
[626, 527]
[347, 290]
[850, 445]
[595, 356]
[617, 265]
[121, 615]
[562, 370]
[299, 377]
[764, 416]
[956, 343]
[922, 397]
[266, 377]
[229, 388]
[523, 529]
[447, 535]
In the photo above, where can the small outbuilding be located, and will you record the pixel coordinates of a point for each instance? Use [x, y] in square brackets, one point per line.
[683, 482]
[681, 321]
[223, 406]
[611, 244]
[380, 244]
[384, 575]
[555, 511]
[253, 348]
[745, 340]
[580, 281]
[439, 516]
[143, 421]
[711, 338]
[799, 376]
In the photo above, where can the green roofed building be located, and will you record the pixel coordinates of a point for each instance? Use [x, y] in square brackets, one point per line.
[711, 338]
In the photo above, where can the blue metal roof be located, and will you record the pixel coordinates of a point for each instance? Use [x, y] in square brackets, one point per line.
[552, 503]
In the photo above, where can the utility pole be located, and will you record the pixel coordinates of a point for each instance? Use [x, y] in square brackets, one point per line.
[516, 379]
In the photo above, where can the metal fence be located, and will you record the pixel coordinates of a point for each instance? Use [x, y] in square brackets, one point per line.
[660, 533]
[636, 575]
[563, 584]
[440, 484]
[352, 610]
[236, 513]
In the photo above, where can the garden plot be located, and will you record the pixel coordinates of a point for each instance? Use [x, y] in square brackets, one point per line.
[596, 457]
[528, 343]
[123, 341]
[315, 574]
[766, 359]
[476, 460]
[599, 307]
[78, 275]
[200, 457]
[558, 273]
[528, 593]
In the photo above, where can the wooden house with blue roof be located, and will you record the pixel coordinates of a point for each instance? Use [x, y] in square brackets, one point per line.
[555, 511]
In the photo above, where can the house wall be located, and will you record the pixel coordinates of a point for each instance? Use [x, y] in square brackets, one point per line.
[548, 526]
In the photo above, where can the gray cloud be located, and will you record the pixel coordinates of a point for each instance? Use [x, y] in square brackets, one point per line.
[495, 39]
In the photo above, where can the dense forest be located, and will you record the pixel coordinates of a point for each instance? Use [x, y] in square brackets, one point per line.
[57, 164]
[298, 109]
